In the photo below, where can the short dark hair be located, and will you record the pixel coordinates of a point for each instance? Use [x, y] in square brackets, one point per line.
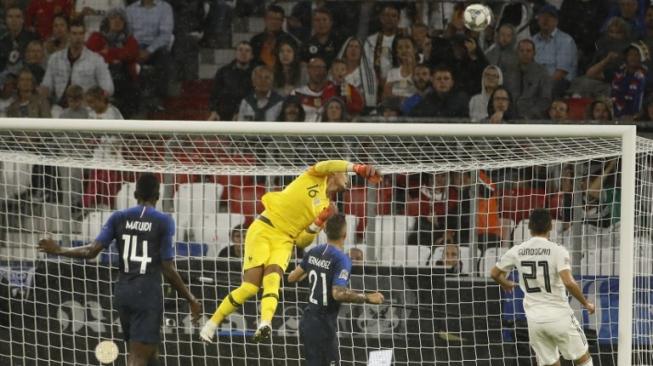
[334, 227]
[77, 23]
[443, 68]
[325, 11]
[539, 222]
[147, 188]
[274, 8]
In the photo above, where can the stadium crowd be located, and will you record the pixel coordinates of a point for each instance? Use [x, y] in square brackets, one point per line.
[333, 61]
[340, 61]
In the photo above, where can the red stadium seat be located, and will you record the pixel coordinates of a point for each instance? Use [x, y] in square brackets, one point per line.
[355, 203]
[246, 200]
[517, 203]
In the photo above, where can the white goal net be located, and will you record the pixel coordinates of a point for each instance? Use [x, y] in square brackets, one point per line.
[454, 198]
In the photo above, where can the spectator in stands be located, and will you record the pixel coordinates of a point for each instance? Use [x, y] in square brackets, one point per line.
[90, 69]
[602, 202]
[35, 60]
[289, 72]
[555, 50]
[324, 42]
[151, 23]
[116, 44]
[609, 51]
[292, 110]
[231, 84]
[422, 83]
[581, 20]
[378, 46]
[530, 83]
[7, 93]
[344, 16]
[468, 63]
[58, 40]
[419, 32]
[340, 88]
[15, 41]
[98, 103]
[28, 103]
[600, 110]
[503, 52]
[500, 106]
[264, 104]
[76, 107]
[450, 259]
[334, 111]
[359, 73]
[356, 256]
[40, 14]
[629, 11]
[399, 81]
[92, 12]
[189, 18]
[492, 79]
[648, 38]
[235, 248]
[444, 101]
[390, 109]
[558, 111]
[312, 94]
[265, 43]
[647, 111]
[629, 82]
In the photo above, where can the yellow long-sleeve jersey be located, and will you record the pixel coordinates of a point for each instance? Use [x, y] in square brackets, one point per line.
[297, 206]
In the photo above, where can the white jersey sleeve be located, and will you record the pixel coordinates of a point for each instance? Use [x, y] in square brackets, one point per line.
[562, 260]
[508, 261]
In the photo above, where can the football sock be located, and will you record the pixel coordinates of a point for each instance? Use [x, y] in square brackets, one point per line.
[236, 298]
[271, 285]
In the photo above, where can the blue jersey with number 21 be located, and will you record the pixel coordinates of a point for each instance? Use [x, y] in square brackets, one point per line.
[143, 236]
[326, 266]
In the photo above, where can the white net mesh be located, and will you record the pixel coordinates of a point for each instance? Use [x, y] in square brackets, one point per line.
[448, 208]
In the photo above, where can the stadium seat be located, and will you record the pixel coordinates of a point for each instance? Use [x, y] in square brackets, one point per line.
[391, 231]
[600, 262]
[466, 257]
[490, 258]
[186, 249]
[16, 178]
[246, 200]
[405, 255]
[193, 200]
[350, 241]
[521, 232]
[125, 196]
[355, 203]
[216, 230]
[92, 224]
[418, 207]
[517, 204]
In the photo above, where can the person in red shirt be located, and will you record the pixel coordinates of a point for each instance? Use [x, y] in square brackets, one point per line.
[40, 14]
[116, 43]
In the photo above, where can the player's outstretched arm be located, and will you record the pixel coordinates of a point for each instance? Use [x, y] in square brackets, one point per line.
[575, 291]
[344, 294]
[296, 275]
[172, 276]
[500, 277]
[90, 251]
[326, 167]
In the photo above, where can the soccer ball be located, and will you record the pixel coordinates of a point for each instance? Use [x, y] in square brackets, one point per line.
[477, 17]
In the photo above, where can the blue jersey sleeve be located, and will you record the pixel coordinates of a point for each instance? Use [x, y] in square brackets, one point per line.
[341, 271]
[167, 248]
[304, 263]
[108, 232]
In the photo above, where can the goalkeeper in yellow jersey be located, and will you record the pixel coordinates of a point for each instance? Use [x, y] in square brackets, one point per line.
[291, 217]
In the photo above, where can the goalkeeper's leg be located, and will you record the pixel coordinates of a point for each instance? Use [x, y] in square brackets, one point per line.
[248, 288]
[271, 285]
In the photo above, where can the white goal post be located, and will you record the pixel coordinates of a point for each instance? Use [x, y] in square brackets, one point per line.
[396, 149]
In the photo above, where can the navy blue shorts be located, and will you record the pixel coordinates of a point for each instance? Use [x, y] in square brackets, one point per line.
[140, 308]
[318, 334]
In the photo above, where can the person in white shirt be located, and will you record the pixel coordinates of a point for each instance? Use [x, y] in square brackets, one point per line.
[378, 46]
[545, 271]
[99, 106]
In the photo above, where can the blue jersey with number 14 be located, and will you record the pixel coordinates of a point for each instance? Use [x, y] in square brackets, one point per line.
[326, 266]
[143, 236]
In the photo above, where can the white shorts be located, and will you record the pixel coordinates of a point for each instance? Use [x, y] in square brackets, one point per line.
[564, 335]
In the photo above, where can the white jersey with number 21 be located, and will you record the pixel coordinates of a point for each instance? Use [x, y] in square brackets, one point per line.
[539, 262]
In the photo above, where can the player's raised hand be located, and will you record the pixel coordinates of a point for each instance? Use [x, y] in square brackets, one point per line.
[195, 311]
[590, 307]
[374, 298]
[49, 246]
[368, 172]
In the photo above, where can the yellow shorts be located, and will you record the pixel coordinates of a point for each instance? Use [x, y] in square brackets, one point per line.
[266, 245]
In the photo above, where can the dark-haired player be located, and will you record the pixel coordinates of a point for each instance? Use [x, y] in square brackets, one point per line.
[327, 268]
[545, 272]
[143, 236]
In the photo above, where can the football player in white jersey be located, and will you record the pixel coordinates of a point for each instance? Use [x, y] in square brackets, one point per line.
[545, 272]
